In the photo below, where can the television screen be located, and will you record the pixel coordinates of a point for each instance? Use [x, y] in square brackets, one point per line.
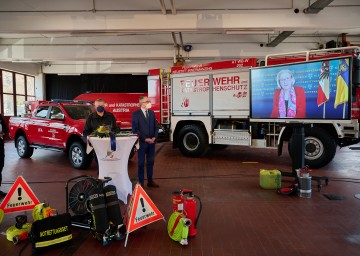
[302, 91]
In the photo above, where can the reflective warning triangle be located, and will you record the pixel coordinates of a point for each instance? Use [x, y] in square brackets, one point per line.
[141, 210]
[19, 198]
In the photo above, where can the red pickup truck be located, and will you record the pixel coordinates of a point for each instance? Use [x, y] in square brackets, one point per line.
[57, 125]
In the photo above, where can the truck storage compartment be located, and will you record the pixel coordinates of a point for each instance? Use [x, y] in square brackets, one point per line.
[231, 137]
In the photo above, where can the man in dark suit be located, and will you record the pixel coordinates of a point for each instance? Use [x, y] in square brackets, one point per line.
[144, 124]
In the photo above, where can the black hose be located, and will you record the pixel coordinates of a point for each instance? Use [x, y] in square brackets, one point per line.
[200, 208]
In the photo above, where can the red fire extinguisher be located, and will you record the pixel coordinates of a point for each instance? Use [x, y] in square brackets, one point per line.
[187, 206]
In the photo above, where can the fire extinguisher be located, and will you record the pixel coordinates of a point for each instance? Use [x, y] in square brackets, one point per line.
[187, 206]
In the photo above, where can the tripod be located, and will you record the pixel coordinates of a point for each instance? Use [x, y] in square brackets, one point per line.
[298, 151]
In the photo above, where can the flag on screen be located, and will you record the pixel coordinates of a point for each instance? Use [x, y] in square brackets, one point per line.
[342, 81]
[324, 84]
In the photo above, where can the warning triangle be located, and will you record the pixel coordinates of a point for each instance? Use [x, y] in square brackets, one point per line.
[19, 198]
[141, 211]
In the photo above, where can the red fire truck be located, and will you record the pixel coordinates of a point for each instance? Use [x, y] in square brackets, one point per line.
[208, 106]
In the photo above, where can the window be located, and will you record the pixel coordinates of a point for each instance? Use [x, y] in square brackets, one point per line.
[56, 113]
[7, 82]
[8, 104]
[16, 89]
[42, 112]
[20, 84]
[78, 112]
[30, 87]
[20, 105]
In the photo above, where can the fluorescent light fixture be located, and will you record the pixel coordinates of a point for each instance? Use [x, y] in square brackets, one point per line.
[128, 62]
[139, 73]
[67, 74]
[249, 32]
[26, 61]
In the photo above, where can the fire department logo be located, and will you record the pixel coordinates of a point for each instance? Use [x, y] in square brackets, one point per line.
[185, 103]
[110, 156]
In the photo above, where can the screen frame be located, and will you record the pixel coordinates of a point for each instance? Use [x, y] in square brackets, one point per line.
[304, 120]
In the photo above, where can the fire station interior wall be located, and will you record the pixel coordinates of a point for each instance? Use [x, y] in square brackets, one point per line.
[26, 68]
[30, 69]
[68, 87]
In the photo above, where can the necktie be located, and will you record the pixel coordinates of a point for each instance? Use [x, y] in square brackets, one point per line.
[146, 114]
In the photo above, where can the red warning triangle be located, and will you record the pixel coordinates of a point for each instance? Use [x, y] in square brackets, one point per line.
[141, 210]
[19, 198]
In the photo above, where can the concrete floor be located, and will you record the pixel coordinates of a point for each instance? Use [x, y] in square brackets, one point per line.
[238, 217]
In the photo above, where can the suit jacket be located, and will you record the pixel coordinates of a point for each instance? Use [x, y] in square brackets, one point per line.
[300, 103]
[3, 125]
[143, 127]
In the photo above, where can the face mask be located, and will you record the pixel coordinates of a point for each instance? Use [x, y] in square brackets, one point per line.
[100, 109]
[148, 106]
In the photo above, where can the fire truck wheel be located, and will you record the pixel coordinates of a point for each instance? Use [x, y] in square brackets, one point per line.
[193, 141]
[320, 147]
[78, 157]
[23, 148]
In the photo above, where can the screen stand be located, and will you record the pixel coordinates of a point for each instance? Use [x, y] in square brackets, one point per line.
[298, 152]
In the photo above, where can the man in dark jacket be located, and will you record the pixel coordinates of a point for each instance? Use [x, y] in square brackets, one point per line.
[100, 118]
[3, 131]
[144, 124]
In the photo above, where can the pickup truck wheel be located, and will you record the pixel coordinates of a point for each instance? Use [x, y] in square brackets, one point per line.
[193, 141]
[320, 148]
[23, 148]
[78, 157]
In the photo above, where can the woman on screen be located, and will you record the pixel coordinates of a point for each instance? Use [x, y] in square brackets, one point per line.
[289, 100]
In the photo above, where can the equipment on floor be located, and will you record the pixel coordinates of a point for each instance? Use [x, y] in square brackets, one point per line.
[288, 191]
[96, 207]
[184, 202]
[178, 228]
[42, 211]
[50, 232]
[19, 231]
[270, 179]
[1, 215]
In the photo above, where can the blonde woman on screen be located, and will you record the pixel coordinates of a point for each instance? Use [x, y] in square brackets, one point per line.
[289, 100]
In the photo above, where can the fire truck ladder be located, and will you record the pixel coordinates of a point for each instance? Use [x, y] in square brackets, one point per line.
[165, 96]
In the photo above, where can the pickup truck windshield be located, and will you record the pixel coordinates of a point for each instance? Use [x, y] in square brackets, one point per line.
[79, 111]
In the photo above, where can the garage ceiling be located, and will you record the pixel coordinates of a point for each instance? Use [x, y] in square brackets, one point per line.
[112, 36]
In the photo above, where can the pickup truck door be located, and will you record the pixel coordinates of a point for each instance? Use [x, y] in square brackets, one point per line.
[56, 131]
[38, 125]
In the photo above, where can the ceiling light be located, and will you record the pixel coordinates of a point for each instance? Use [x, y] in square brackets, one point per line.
[26, 61]
[69, 74]
[128, 62]
[249, 32]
